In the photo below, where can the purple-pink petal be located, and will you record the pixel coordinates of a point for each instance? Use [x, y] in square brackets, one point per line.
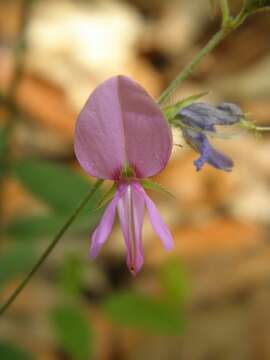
[102, 232]
[147, 134]
[156, 221]
[131, 211]
[130, 200]
[121, 124]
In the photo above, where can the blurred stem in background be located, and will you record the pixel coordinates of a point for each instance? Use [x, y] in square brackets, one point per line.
[228, 25]
[10, 99]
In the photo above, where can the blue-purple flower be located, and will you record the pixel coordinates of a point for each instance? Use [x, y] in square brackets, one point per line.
[199, 119]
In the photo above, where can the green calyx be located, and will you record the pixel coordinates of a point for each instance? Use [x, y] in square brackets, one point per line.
[250, 126]
[146, 184]
[171, 111]
[127, 172]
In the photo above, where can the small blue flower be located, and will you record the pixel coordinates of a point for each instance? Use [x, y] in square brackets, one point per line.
[198, 119]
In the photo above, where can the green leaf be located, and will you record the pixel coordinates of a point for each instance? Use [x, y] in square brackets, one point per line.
[40, 226]
[171, 110]
[143, 312]
[3, 147]
[151, 185]
[72, 332]
[9, 351]
[3, 141]
[57, 185]
[173, 279]
[34, 227]
[70, 274]
[15, 261]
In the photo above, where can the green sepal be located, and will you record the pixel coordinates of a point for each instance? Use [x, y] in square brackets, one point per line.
[107, 197]
[247, 124]
[150, 185]
[250, 126]
[171, 110]
[127, 171]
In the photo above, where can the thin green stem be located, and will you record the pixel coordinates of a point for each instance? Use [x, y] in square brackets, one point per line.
[184, 74]
[225, 10]
[226, 29]
[10, 99]
[50, 248]
[262, 128]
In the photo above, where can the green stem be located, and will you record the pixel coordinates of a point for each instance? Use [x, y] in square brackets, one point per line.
[184, 74]
[50, 248]
[226, 29]
[262, 128]
[225, 10]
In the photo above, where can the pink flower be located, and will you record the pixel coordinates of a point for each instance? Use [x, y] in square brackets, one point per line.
[121, 135]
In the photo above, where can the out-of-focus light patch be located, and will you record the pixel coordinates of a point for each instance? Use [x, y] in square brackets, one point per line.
[104, 38]
[176, 32]
[78, 44]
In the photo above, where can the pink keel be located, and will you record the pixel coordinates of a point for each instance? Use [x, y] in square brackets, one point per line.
[130, 201]
[131, 211]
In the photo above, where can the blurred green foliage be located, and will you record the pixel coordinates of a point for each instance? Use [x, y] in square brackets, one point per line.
[3, 146]
[174, 282]
[3, 140]
[72, 331]
[164, 315]
[60, 188]
[9, 351]
[17, 259]
[71, 274]
[34, 227]
[143, 312]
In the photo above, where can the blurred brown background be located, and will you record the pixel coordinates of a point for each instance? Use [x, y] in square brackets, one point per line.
[220, 221]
